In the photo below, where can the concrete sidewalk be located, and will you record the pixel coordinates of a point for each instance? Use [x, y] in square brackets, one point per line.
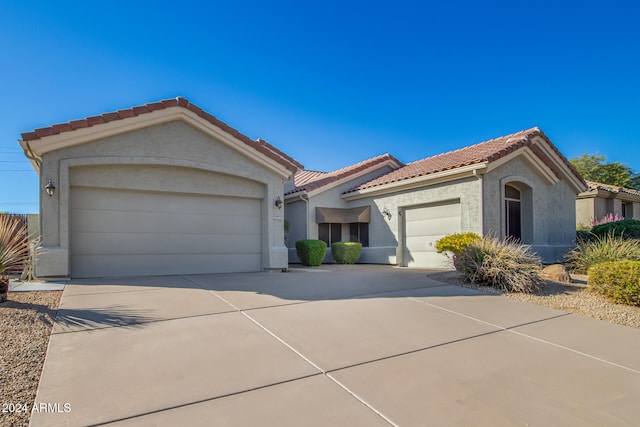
[367, 347]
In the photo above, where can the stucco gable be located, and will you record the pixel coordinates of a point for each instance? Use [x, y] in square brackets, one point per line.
[63, 135]
[309, 182]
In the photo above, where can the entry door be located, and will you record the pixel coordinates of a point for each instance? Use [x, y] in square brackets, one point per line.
[423, 226]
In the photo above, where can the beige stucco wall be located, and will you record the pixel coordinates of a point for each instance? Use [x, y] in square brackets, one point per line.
[385, 235]
[171, 156]
[553, 208]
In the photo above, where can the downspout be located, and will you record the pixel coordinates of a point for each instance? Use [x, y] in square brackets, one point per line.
[28, 152]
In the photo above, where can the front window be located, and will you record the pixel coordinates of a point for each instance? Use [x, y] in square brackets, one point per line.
[329, 232]
[513, 226]
[359, 232]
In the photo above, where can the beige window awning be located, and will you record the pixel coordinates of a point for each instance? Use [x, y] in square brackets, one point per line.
[343, 216]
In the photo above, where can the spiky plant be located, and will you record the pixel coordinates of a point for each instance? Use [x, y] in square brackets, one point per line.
[14, 243]
[504, 264]
[605, 248]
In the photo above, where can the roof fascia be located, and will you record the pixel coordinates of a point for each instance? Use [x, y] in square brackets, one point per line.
[576, 182]
[394, 165]
[59, 141]
[418, 182]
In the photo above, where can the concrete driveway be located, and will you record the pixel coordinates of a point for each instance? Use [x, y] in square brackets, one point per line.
[371, 347]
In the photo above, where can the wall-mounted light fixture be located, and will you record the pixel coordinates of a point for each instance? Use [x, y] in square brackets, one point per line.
[50, 188]
[386, 212]
[278, 202]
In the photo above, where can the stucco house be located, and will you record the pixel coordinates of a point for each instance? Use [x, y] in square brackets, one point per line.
[517, 185]
[163, 188]
[600, 200]
[166, 188]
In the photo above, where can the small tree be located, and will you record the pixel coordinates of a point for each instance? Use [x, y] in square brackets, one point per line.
[593, 167]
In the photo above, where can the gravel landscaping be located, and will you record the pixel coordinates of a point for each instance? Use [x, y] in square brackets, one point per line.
[572, 297]
[26, 320]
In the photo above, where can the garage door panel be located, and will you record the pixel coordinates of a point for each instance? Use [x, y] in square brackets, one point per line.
[433, 212]
[95, 266]
[127, 232]
[139, 201]
[147, 222]
[158, 244]
[435, 227]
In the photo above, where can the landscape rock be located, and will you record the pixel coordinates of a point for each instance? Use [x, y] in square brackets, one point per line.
[557, 273]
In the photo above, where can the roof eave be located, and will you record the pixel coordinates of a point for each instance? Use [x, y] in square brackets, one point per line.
[46, 144]
[420, 181]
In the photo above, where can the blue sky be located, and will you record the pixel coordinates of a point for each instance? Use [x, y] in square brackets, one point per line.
[330, 83]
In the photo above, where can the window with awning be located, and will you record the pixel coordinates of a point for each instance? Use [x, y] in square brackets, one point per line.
[343, 216]
[330, 222]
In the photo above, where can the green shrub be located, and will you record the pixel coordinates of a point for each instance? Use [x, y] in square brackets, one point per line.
[502, 264]
[628, 229]
[311, 252]
[287, 226]
[602, 249]
[456, 242]
[618, 280]
[346, 252]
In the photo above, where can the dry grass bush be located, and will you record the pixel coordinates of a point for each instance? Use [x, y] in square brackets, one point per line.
[501, 264]
[600, 249]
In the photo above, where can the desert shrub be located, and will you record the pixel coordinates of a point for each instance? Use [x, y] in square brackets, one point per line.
[456, 242]
[584, 236]
[618, 280]
[346, 252]
[502, 264]
[627, 229]
[602, 249]
[311, 252]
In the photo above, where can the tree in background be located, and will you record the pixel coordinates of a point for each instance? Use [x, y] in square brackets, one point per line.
[594, 168]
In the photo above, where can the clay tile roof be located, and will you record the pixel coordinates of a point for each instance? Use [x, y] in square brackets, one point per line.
[260, 145]
[484, 152]
[611, 188]
[307, 180]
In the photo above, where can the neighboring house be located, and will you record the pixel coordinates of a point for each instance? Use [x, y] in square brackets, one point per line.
[517, 185]
[600, 200]
[164, 188]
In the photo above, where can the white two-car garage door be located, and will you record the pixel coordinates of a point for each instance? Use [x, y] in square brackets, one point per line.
[129, 233]
[423, 226]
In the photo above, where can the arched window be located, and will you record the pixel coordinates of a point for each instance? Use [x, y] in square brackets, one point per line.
[513, 215]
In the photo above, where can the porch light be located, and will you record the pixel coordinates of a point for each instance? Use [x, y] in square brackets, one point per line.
[386, 212]
[50, 188]
[279, 202]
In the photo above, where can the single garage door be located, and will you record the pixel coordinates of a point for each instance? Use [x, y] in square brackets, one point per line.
[423, 226]
[131, 233]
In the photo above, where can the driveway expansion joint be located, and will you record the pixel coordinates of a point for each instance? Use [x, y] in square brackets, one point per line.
[222, 396]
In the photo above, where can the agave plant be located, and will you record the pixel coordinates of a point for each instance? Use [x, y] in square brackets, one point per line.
[14, 247]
